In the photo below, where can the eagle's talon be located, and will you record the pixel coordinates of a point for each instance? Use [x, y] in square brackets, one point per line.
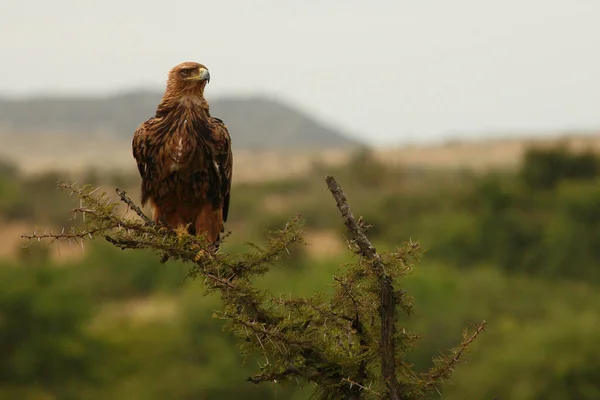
[201, 254]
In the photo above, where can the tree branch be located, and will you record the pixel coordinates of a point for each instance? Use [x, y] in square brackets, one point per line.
[388, 298]
[62, 235]
[123, 195]
[274, 377]
[445, 364]
[336, 343]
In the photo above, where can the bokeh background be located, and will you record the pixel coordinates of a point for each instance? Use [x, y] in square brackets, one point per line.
[471, 127]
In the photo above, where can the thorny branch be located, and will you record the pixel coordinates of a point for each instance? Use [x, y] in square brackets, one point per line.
[61, 235]
[123, 195]
[447, 364]
[388, 297]
[274, 376]
[124, 233]
[325, 341]
[352, 383]
[358, 327]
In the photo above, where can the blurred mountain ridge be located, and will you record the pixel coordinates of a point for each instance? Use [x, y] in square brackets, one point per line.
[254, 122]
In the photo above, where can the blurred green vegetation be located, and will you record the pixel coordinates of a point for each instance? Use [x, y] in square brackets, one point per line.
[520, 249]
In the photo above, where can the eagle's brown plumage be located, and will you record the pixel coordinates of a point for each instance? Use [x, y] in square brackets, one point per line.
[184, 157]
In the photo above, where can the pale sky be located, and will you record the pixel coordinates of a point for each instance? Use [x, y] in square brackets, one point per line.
[387, 71]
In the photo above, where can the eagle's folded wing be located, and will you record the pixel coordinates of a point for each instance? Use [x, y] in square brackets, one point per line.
[224, 159]
[140, 153]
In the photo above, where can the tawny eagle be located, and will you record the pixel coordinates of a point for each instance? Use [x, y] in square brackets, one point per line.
[184, 157]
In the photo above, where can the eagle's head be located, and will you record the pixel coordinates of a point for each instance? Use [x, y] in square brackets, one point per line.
[188, 78]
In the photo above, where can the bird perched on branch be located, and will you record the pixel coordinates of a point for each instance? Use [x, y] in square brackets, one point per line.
[184, 157]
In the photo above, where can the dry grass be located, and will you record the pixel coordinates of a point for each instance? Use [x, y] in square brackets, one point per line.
[10, 237]
[324, 244]
[64, 152]
[480, 155]
[139, 310]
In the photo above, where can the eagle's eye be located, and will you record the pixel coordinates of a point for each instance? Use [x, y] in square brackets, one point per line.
[185, 72]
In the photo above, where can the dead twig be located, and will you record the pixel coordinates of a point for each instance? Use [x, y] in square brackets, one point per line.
[388, 299]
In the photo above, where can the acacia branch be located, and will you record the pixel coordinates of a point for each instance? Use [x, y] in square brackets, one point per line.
[304, 337]
[361, 387]
[468, 340]
[447, 363]
[123, 195]
[60, 236]
[322, 311]
[274, 377]
[388, 298]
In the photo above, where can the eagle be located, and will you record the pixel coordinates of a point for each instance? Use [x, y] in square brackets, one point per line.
[184, 157]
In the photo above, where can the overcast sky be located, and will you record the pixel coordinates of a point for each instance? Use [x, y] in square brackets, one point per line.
[389, 71]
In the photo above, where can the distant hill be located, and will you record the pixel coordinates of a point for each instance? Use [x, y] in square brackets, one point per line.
[254, 123]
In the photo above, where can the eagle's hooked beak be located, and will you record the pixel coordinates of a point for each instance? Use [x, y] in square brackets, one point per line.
[203, 75]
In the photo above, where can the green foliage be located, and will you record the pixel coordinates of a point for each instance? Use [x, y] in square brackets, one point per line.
[537, 290]
[9, 188]
[525, 317]
[57, 345]
[113, 274]
[544, 168]
[32, 198]
[186, 356]
[9, 196]
[542, 336]
[42, 333]
[551, 233]
[332, 342]
[368, 172]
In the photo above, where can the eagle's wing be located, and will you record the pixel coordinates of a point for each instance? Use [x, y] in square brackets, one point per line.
[141, 147]
[224, 159]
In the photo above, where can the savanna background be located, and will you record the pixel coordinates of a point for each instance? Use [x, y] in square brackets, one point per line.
[481, 142]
